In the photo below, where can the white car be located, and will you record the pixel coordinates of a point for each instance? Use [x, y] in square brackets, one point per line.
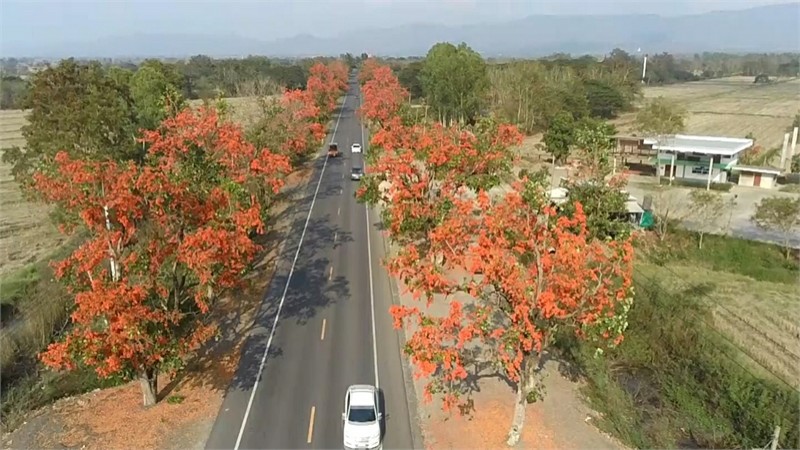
[355, 148]
[361, 418]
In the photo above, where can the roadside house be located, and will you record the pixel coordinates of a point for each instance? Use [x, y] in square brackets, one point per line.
[706, 159]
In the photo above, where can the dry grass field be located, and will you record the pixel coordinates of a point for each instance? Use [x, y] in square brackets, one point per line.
[26, 234]
[732, 107]
[759, 317]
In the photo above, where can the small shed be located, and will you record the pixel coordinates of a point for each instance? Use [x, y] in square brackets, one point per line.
[763, 177]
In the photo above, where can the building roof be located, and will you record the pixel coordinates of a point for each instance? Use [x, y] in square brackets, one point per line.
[770, 170]
[632, 204]
[709, 145]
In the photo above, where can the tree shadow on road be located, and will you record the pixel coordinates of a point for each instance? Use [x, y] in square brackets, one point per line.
[232, 362]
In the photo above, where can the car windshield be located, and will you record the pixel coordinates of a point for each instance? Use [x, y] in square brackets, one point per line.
[361, 415]
[356, 169]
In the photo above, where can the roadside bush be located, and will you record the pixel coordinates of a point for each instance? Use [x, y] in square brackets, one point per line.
[675, 383]
[757, 260]
[722, 187]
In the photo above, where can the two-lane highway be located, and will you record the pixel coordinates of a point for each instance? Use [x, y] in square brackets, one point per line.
[324, 323]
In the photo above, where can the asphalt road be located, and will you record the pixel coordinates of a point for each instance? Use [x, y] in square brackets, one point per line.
[323, 325]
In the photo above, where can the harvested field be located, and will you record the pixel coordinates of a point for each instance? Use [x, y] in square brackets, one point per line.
[26, 234]
[759, 317]
[732, 107]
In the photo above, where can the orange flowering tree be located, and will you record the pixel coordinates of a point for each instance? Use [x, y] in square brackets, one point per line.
[383, 96]
[367, 70]
[528, 270]
[296, 124]
[164, 239]
[325, 84]
[419, 170]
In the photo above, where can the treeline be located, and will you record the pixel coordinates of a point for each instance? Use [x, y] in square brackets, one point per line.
[531, 93]
[198, 77]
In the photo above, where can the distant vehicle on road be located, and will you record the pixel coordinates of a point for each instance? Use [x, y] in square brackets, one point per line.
[361, 418]
[333, 150]
[356, 173]
[355, 148]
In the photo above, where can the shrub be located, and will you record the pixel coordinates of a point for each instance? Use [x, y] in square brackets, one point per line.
[674, 382]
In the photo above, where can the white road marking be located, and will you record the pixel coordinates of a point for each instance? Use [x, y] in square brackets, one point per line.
[339, 211]
[322, 335]
[371, 288]
[335, 235]
[286, 288]
[311, 424]
[330, 273]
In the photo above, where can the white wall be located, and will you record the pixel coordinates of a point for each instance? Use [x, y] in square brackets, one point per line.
[748, 179]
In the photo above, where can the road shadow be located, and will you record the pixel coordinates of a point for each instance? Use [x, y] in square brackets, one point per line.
[230, 362]
[311, 289]
[382, 409]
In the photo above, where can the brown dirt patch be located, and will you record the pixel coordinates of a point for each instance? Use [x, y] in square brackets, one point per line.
[559, 421]
[114, 418]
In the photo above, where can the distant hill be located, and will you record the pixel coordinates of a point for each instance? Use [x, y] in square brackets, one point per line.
[771, 28]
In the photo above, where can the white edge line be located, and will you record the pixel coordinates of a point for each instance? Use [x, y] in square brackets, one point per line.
[286, 288]
[369, 261]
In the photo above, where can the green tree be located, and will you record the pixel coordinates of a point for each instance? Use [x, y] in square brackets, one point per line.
[13, 90]
[595, 140]
[605, 101]
[795, 168]
[559, 137]
[604, 206]
[79, 109]
[155, 96]
[707, 208]
[603, 201]
[660, 118]
[455, 82]
[780, 214]
[409, 77]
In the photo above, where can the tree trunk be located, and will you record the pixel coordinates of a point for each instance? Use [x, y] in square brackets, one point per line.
[526, 383]
[148, 380]
[701, 240]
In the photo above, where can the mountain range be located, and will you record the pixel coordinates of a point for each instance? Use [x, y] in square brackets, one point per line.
[774, 28]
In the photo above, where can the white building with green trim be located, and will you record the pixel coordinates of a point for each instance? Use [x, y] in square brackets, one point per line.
[706, 159]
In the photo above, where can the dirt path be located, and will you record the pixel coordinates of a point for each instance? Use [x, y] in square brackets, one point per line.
[114, 419]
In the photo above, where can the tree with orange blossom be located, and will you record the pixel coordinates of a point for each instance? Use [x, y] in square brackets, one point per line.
[383, 95]
[367, 70]
[164, 239]
[530, 274]
[420, 170]
[325, 84]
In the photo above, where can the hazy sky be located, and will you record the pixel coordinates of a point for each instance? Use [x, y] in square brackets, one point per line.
[43, 22]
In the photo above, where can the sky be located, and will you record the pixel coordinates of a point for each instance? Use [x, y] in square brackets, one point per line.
[46, 22]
